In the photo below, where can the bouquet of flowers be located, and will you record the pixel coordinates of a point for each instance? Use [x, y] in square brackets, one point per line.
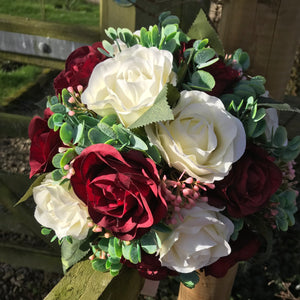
[160, 152]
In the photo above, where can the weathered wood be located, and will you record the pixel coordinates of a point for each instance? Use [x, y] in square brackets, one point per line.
[38, 61]
[13, 125]
[269, 31]
[86, 34]
[22, 256]
[145, 13]
[82, 282]
[209, 287]
[9, 190]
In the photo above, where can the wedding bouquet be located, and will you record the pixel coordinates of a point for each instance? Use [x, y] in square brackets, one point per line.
[160, 152]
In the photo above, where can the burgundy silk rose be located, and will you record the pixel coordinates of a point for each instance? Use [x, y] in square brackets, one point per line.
[44, 144]
[150, 267]
[122, 190]
[245, 247]
[249, 185]
[225, 77]
[79, 67]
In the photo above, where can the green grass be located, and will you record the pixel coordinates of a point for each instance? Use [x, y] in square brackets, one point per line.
[13, 83]
[77, 12]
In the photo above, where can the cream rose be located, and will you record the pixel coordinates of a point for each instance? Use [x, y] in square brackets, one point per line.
[198, 241]
[60, 209]
[203, 139]
[129, 83]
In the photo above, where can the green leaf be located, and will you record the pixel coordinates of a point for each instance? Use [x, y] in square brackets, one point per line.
[155, 36]
[106, 130]
[150, 242]
[97, 137]
[259, 129]
[260, 114]
[280, 136]
[79, 133]
[46, 231]
[126, 250]
[56, 160]
[118, 247]
[202, 80]
[153, 152]
[108, 47]
[67, 157]
[189, 279]
[89, 121]
[28, 193]
[53, 100]
[58, 119]
[280, 107]
[65, 95]
[203, 56]
[66, 133]
[50, 122]
[160, 111]
[111, 33]
[161, 227]
[145, 41]
[170, 46]
[72, 253]
[137, 143]
[199, 44]
[103, 244]
[201, 29]
[135, 253]
[244, 90]
[56, 175]
[58, 108]
[99, 265]
[170, 20]
[110, 119]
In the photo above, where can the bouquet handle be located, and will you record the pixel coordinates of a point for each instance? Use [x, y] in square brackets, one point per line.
[209, 287]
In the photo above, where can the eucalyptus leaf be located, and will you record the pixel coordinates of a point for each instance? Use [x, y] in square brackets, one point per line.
[189, 279]
[66, 133]
[99, 265]
[202, 80]
[56, 160]
[58, 108]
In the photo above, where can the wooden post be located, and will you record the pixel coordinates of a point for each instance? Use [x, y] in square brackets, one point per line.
[269, 31]
[209, 287]
[146, 12]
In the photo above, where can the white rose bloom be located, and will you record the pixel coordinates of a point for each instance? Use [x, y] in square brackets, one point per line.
[203, 139]
[60, 209]
[198, 241]
[129, 83]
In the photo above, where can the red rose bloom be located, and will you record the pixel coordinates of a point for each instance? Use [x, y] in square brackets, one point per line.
[44, 144]
[122, 191]
[79, 67]
[249, 185]
[225, 77]
[150, 267]
[245, 247]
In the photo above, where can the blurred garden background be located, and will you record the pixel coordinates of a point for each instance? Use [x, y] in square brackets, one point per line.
[29, 263]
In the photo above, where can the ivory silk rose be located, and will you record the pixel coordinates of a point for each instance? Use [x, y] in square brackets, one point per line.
[129, 83]
[60, 209]
[199, 240]
[203, 139]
